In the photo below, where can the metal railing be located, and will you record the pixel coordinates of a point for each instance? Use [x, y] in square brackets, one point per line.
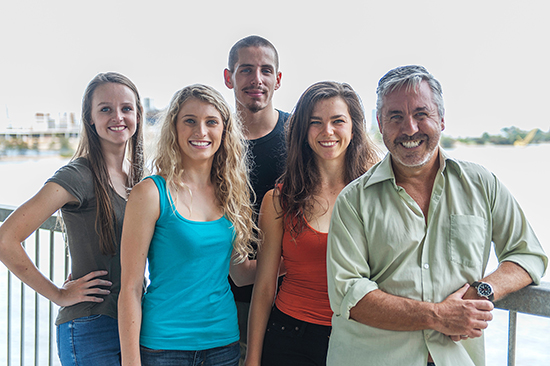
[23, 342]
[534, 300]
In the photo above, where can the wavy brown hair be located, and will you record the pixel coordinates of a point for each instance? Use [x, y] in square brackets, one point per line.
[230, 168]
[89, 147]
[297, 186]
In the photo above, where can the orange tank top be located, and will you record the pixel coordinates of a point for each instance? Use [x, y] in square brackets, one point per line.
[303, 294]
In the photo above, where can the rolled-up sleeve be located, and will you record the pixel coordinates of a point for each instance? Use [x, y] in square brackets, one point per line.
[514, 238]
[347, 258]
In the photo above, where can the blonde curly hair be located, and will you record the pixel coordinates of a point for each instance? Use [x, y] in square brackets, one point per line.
[230, 167]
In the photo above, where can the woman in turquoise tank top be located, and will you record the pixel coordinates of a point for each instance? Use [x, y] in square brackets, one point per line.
[192, 222]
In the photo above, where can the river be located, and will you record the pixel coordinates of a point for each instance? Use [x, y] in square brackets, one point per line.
[524, 171]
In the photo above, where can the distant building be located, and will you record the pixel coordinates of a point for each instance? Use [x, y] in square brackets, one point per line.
[44, 122]
[41, 134]
[151, 112]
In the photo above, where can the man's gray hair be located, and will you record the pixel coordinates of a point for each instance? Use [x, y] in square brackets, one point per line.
[409, 76]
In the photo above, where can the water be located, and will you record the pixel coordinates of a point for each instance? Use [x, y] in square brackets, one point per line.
[524, 171]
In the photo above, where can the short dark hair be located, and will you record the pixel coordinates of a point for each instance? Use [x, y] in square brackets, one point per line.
[250, 41]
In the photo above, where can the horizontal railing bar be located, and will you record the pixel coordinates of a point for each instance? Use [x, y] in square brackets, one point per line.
[534, 300]
[50, 224]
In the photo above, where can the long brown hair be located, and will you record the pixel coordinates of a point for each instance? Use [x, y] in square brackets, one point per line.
[298, 184]
[89, 147]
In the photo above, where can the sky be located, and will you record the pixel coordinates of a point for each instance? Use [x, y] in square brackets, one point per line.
[491, 57]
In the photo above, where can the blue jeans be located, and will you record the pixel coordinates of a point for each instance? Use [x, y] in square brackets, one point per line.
[91, 340]
[220, 356]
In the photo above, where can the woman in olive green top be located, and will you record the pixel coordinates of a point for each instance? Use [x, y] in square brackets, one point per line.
[91, 192]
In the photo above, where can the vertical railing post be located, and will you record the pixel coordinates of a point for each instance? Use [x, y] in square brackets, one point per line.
[50, 317]
[8, 337]
[36, 300]
[512, 330]
[22, 323]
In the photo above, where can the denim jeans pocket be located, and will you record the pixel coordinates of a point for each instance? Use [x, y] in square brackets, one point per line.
[90, 340]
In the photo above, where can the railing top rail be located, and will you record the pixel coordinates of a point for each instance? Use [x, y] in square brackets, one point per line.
[532, 299]
[50, 224]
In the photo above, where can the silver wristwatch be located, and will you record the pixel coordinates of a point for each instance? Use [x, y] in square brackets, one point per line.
[484, 290]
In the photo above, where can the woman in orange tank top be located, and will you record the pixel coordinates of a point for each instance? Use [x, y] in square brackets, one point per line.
[327, 148]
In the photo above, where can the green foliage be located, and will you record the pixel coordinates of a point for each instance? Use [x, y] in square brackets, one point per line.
[447, 142]
[508, 137]
[65, 149]
[16, 144]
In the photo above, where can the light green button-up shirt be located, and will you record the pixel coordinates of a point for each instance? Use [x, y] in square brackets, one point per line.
[379, 239]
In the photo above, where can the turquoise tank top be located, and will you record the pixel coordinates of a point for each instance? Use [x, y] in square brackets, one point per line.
[188, 304]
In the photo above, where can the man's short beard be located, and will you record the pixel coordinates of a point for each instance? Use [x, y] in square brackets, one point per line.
[426, 140]
[419, 164]
[254, 108]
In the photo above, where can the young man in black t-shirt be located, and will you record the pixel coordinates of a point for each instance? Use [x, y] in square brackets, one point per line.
[253, 74]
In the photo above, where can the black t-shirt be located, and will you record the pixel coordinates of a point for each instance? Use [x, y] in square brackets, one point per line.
[268, 155]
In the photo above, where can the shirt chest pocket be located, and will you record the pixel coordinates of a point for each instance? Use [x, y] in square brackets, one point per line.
[466, 244]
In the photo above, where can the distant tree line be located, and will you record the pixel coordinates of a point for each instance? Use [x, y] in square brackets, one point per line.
[508, 136]
[22, 146]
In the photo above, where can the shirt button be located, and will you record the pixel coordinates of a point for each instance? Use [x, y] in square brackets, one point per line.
[426, 266]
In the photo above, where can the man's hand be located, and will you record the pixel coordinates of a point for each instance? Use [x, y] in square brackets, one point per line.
[83, 289]
[462, 318]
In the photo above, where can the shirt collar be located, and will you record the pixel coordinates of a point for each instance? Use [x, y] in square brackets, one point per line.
[447, 160]
[383, 170]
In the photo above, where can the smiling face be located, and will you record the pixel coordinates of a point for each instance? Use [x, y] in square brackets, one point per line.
[254, 78]
[114, 113]
[411, 126]
[330, 129]
[199, 127]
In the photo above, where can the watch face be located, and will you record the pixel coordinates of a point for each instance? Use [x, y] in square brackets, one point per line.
[484, 289]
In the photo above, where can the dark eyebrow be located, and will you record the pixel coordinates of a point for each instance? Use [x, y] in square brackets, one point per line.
[419, 109]
[194, 116]
[109, 103]
[261, 66]
[338, 116]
